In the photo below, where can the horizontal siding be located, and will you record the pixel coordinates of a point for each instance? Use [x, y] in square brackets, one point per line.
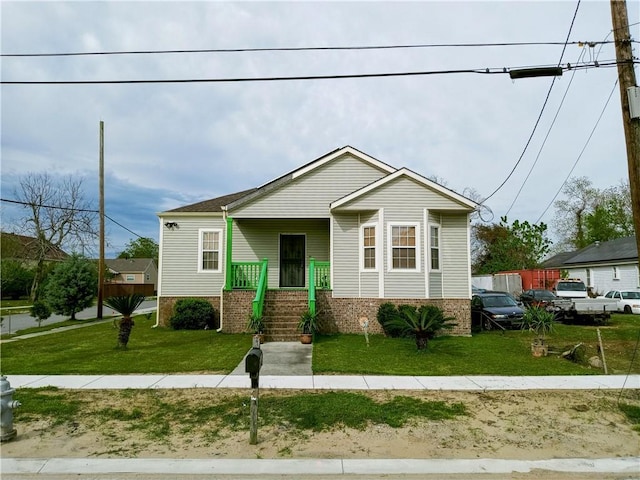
[456, 278]
[435, 285]
[402, 192]
[602, 278]
[345, 256]
[180, 276]
[309, 196]
[256, 239]
[369, 284]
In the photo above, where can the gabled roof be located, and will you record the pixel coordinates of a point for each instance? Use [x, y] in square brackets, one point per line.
[129, 265]
[26, 248]
[213, 205]
[618, 250]
[405, 172]
[309, 167]
[557, 261]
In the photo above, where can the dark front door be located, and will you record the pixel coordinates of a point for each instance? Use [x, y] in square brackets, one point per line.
[292, 249]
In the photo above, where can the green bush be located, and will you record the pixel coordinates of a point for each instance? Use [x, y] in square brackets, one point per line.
[387, 312]
[193, 314]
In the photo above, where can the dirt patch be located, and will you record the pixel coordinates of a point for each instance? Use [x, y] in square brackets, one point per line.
[510, 425]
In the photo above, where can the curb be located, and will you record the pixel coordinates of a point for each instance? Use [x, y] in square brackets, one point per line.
[58, 466]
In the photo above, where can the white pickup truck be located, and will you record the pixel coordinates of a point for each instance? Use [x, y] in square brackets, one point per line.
[584, 310]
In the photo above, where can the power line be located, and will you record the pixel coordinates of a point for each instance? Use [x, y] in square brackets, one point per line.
[31, 204]
[299, 49]
[581, 152]
[535, 126]
[480, 71]
[544, 142]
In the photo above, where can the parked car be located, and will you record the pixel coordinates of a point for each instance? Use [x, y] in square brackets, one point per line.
[537, 297]
[627, 301]
[495, 309]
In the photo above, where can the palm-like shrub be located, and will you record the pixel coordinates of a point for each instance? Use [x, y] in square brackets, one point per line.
[125, 305]
[539, 320]
[421, 323]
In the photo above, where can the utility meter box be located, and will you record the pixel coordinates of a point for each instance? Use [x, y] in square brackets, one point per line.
[633, 95]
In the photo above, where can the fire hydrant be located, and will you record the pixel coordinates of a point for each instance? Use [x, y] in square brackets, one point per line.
[7, 404]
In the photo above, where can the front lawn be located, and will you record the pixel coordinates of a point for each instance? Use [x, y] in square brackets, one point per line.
[486, 353]
[91, 350]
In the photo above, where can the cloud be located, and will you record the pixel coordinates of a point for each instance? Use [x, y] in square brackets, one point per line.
[168, 145]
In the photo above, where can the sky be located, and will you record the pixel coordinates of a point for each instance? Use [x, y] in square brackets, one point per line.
[168, 145]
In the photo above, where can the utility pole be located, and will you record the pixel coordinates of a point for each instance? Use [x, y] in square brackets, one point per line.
[627, 79]
[101, 214]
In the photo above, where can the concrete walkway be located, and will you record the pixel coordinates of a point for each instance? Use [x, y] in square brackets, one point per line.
[329, 382]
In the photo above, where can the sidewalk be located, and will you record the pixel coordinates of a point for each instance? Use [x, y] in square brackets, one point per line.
[629, 468]
[329, 382]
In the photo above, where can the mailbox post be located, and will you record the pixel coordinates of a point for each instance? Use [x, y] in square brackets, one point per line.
[252, 365]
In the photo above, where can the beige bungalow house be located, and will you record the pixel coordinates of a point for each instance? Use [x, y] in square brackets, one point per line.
[340, 236]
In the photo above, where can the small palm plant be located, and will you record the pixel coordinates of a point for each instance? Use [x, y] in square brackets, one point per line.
[421, 323]
[125, 305]
[540, 321]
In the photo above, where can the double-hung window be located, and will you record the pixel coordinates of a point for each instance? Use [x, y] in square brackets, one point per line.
[404, 240]
[368, 247]
[434, 246]
[209, 251]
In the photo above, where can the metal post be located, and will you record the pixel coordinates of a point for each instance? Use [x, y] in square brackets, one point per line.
[255, 393]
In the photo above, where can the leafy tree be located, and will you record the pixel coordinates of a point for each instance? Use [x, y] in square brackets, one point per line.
[15, 278]
[125, 305]
[503, 247]
[611, 216]
[589, 214]
[141, 248]
[40, 311]
[72, 286]
[57, 215]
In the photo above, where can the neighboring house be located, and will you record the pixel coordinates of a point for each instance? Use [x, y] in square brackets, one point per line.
[602, 266]
[132, 271]
[342, 234]
[26, 249]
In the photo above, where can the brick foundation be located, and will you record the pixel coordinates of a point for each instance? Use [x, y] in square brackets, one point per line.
[336, 315]
[343, 314]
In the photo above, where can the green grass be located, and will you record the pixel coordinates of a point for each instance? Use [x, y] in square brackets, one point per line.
[317, 412]
[159, 414]
[486, 353]
[92, 350]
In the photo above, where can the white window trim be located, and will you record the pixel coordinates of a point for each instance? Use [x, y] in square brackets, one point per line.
[209, 230]
[432, 224]
[616, 273]
[361, 247]
[418, 246]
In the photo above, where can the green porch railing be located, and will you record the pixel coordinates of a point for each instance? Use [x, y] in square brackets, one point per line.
[258, 301]
[323, 275]
[312, 286]
[319, 279]
[245, 275]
